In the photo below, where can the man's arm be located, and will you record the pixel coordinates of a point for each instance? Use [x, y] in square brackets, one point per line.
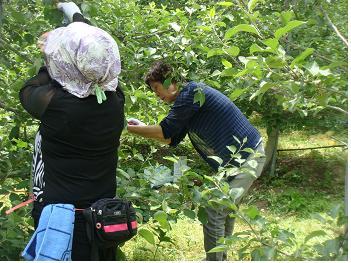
[149, 131]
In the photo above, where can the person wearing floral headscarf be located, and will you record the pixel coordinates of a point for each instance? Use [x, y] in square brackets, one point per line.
[81, 111]
[82, 58]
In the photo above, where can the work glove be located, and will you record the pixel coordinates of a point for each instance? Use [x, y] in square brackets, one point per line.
[68, 9]
[133, 121]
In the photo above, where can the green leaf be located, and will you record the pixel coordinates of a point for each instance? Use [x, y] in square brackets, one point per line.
[240, 28]
[226, 63]
[256, 48]
[324, 72]
[165, 206]
[334, 212]
[236, 192]
[163, 238]
[214, 52]
[205, 28]
[139, 156]
[314, 234]
[202, 215]
[150, 51]
[219, 248]
[212, 12]
[154, 207]
[242, 73]
[229, 72]
[252, 4]
[161, 217]
[226, 4]
[20, 143]
[252, 212]
[216, 158]
[167, 83]
[123, 173]
[120, 254]
[190, 10]
[19, 17]
[189, 213]
[199, 96]
[275, 62]
[215, 73]
[236, 93]
[147, 235]
[244, 60]
[237, 139]
[175, 26]
[307, 52]
[264, 86]
[252, 163]
[285, 236]
[232, 148]
[170, 158]
[14, 133]
[269, 252]
[248, 150]
[273, 43]
[333, 245]
[233, 51]
[287, 16]
[313, 68]
[290, 26]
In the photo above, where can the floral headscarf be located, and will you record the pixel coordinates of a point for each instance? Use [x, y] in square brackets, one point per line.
[84, 59]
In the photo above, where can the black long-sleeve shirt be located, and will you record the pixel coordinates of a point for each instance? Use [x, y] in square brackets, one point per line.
[75, 155]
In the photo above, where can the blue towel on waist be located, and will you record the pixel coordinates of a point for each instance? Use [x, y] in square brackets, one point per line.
[52, 240]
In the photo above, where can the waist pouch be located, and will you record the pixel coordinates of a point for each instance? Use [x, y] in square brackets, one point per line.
[110, 222]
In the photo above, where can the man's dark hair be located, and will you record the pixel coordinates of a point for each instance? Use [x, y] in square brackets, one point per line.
[159, 71]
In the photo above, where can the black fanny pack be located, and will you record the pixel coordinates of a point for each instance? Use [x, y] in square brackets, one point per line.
[110, 222]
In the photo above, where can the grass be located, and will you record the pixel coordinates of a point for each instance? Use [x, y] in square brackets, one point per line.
[188, 239]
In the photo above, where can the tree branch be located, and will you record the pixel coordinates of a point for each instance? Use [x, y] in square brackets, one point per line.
[311, 148]
[337, 109]
[243, 7]
[330, 23]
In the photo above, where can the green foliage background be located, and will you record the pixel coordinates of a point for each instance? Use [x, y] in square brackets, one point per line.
[277, 59]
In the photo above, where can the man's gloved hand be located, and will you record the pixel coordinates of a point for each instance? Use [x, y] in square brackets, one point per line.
[68, 9]
[133, 121]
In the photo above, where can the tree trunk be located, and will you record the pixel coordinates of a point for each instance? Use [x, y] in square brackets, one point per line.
[271, 150]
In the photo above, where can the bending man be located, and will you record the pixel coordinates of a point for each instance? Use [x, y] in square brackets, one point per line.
[211, 127]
